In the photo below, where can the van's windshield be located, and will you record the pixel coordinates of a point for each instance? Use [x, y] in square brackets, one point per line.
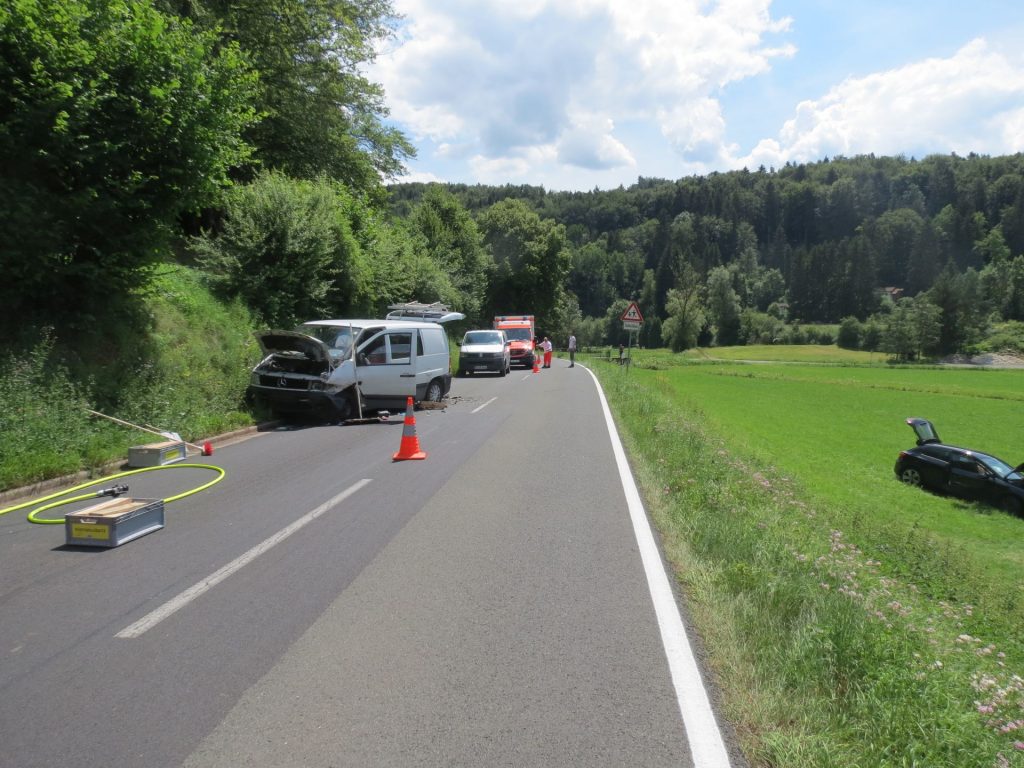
[483, 337]
[518, 334]
[337, 338]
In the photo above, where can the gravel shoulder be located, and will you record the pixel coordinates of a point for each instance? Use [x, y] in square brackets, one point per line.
[987, 360]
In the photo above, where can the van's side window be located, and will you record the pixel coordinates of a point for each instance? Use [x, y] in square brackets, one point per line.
[434, 341]
[401, 347]
[375, 353]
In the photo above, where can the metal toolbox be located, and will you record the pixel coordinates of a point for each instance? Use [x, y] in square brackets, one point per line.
[156, 454]
[113, 522]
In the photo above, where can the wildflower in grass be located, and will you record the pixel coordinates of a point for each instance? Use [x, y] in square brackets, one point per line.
[1018, 745]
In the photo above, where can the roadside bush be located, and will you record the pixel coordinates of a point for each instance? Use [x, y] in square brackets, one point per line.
[186, 372]
[286, 250]
[822, 335]
[759, 327]
[793, 334]
[201, 353]
[1005, 337]
[849, 333]
[871, 335]
[45, 430]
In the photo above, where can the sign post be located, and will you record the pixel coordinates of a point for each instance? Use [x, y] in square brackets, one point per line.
[631, 322]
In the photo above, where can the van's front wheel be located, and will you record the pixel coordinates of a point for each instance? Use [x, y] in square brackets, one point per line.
[434, 392]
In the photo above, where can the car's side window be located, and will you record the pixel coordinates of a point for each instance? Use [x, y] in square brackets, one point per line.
[966, 464]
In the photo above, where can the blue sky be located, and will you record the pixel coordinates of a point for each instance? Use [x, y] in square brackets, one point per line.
[584, 94]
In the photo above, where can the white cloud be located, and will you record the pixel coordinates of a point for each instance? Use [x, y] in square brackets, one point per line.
[590, 143]
[969, 102]
[1012, 130]
[696, 130]
[505, 84]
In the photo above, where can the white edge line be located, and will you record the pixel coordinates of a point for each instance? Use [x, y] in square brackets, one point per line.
[706, 744]
[175, 604]
[481, 407]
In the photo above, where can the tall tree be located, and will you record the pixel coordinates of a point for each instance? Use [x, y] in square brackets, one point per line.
[321, 115]
[531, 260]
[964, 308]
[723, 306]
[452, 240]
[912, 329]
[892, 236]
[686, 315]
[114, 119]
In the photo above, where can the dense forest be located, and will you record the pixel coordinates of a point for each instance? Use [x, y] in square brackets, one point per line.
[245, 144]
[732, 257]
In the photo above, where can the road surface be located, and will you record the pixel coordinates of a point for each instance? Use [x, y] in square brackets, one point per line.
[326, 606]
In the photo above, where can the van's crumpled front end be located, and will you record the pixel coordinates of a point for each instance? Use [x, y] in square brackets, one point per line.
[302, 374]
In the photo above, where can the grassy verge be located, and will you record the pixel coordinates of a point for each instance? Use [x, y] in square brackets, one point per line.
[185, 372]
[843, 629]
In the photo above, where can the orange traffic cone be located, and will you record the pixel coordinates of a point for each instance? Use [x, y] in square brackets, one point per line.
[536, 363]
[410, 447]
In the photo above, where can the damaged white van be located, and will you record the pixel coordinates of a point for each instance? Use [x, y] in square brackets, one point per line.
[313, 370]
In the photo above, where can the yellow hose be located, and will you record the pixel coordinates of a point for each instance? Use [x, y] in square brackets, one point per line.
[32, 516]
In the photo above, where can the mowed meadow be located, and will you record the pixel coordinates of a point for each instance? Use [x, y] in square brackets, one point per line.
[850, 620]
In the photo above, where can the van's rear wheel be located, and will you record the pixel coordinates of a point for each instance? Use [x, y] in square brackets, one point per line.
[434, 391]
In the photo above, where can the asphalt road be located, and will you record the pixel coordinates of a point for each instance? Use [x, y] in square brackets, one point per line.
[326, 606]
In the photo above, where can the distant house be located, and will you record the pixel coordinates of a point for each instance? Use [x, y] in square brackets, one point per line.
[890, 291]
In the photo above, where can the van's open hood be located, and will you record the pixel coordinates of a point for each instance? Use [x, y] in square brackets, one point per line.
[293, 344]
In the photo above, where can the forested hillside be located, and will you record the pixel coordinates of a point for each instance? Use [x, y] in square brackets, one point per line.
[817, 243]
[245, 146]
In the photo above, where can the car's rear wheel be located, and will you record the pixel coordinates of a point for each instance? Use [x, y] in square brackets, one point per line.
[434, 391]
[911, 476]
[1011, 505]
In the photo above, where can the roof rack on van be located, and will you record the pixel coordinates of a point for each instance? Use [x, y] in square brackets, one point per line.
[414, 310]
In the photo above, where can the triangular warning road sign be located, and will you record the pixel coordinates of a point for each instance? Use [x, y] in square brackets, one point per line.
[632, 314]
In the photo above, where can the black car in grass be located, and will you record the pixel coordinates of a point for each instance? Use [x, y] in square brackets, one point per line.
[960, 471]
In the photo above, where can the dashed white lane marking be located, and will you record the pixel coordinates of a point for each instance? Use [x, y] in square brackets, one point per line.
[481, 407]
[706, 744]
[175, 604]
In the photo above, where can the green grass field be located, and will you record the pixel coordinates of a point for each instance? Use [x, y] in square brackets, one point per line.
[807, 353]
[852, 621]
[838, 432]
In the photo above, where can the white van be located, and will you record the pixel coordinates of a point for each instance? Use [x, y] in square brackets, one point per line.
[313, 369]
